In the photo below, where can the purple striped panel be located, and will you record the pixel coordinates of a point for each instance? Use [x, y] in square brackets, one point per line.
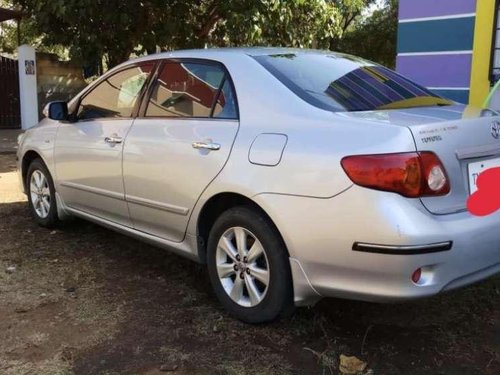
[434, 8]
[437, 70]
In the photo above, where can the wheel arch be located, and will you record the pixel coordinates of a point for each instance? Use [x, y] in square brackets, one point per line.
[216, 206]
[28, 157]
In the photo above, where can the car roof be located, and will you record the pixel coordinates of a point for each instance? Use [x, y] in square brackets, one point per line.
[224, 52]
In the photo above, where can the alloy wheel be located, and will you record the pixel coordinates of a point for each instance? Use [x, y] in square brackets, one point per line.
[242, 267]
[40, 194]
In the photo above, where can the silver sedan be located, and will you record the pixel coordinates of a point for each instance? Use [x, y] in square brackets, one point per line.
[292, 174]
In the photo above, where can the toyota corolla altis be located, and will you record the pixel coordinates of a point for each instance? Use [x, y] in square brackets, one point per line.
[292, 174]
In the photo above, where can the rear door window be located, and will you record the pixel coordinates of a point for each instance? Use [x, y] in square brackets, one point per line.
[192, 89]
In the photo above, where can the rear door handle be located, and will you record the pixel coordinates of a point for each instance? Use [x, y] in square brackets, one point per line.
[206, 146]
[113, 140]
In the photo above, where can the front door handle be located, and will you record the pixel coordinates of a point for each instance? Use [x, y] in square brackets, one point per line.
[206, 146]
[113, 140]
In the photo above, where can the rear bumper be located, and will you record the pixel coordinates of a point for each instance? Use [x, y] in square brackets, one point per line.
[321, 234]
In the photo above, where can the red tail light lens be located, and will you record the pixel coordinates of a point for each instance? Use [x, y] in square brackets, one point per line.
[413, 175]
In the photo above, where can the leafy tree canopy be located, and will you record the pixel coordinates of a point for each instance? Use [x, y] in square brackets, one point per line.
[92, 29]
[29, 34]
[350, 10]
[375, 37]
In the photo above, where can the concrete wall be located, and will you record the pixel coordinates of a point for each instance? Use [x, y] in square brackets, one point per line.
[57, 80]
[435, 44]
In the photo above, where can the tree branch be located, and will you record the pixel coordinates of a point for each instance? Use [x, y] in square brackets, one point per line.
[213, 17]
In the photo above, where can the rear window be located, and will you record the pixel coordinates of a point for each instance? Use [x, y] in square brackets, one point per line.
[336, 82]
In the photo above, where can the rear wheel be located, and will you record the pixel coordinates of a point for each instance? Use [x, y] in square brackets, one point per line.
[41, 194]
[249, 266]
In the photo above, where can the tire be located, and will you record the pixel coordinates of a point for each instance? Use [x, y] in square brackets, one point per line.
[41, 194]
[256, 302]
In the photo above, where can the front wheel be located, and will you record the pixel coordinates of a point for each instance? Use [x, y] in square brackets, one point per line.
[41, 194]
[249, 266]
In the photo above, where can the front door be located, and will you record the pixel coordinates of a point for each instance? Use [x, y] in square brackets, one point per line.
[88, 152]
[178, 146]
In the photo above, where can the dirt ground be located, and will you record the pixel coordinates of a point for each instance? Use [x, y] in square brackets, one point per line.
[85, 300]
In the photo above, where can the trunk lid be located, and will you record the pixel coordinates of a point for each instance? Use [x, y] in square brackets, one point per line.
[466, 139]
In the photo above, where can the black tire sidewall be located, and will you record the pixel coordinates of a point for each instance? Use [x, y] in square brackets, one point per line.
[52, 219]
[278, 300]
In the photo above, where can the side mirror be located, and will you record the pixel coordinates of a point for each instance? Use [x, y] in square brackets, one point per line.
[57, 111]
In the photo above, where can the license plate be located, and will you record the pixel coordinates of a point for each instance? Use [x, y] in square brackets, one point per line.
[475, 169]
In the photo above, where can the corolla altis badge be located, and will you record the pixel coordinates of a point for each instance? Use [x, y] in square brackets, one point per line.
[495, 129]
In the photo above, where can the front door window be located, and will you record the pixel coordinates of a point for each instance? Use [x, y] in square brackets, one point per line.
[116, 96]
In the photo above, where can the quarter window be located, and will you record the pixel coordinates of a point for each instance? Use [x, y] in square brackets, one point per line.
[116, 96]
[225, 107]
[191, 90]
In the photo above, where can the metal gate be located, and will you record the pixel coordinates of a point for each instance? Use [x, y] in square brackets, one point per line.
[10, 116]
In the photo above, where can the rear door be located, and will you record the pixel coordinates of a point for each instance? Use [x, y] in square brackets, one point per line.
[179, 145]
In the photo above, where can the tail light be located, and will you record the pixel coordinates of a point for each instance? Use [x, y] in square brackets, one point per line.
[413, 175]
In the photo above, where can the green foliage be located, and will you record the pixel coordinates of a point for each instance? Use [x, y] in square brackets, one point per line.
[8, 33]
[297, 23]
[89, 28]
[8, 37]
[29, 34]
[92, 29]
[374, 38]
[350, 10]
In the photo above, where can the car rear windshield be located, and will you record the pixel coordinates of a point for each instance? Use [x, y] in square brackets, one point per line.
[337, 82]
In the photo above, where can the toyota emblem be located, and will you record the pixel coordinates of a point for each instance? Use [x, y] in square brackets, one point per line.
[495, 129]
